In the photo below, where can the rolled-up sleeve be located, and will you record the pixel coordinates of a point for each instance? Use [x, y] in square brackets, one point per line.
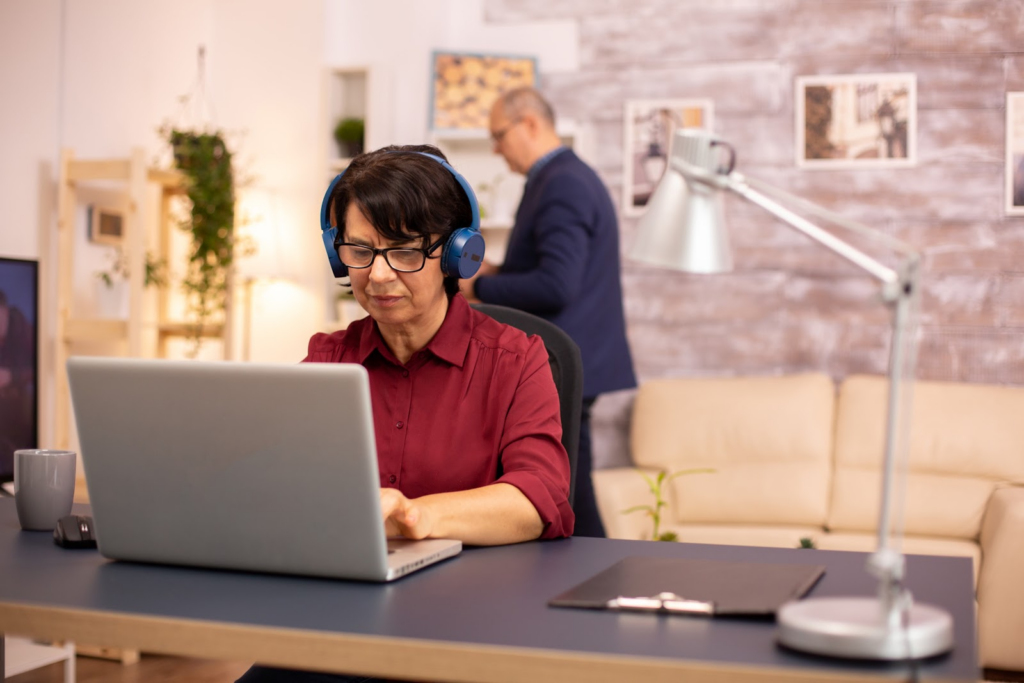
[533, 458]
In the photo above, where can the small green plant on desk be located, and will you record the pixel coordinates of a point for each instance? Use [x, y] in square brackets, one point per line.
[654, 511]
[807, 542]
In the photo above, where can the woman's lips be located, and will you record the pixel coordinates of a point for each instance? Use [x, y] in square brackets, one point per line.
[385, 301]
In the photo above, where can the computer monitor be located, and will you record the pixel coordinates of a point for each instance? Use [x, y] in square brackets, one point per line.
[19, 360]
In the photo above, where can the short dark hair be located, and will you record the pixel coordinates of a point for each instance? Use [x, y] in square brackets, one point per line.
[404, 194]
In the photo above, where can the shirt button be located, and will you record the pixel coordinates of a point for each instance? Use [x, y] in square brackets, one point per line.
[392, 479]
[399, 424]
[405, 373]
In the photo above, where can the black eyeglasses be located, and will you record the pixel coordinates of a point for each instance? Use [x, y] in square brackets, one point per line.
[401, 259]
[497, 135]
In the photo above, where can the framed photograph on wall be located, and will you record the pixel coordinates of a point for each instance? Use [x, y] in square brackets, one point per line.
[19, 360]
[106, 225]
[859, 120]
[649, 125]
[464, 86]
[1015, 153]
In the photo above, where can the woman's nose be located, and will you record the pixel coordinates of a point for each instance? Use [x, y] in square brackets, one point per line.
[380, 271]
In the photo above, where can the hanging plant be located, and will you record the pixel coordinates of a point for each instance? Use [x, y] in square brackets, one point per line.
[205, 160]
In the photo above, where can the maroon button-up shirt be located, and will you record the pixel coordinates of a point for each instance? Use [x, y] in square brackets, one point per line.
[476, 406]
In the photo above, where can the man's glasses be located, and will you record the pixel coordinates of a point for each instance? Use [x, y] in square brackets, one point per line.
[497, 135]
[402, 259]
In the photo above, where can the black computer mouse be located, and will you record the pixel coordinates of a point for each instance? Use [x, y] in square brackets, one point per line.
[75, 531]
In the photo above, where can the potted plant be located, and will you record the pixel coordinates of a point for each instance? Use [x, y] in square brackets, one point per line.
[350, 132]
[206, 162]
[654, 511]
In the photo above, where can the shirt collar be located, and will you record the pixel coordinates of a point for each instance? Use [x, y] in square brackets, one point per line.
[450, 344]
[543, 161]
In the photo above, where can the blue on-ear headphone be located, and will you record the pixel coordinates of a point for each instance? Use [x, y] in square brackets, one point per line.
[463, 251]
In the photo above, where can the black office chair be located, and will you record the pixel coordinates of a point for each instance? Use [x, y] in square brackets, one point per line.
[566, 368]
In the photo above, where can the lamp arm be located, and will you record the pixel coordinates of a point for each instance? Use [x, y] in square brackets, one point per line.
[826, 239]
[896, 245]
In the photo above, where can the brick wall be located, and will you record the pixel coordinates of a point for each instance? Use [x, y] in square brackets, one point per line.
[790, 305]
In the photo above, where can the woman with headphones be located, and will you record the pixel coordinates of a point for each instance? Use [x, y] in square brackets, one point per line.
[465, 409]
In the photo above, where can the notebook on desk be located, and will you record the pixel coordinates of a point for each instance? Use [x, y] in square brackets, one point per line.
[251, 466]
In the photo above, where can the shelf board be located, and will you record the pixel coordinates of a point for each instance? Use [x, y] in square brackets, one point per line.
[23, 655]
[210, 330]
[169, 178]
[99, 169]
[95, 329]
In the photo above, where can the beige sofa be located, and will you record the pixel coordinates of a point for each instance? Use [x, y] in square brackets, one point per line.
[793, 457]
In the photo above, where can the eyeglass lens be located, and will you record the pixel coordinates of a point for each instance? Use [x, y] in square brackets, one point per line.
[403, 260]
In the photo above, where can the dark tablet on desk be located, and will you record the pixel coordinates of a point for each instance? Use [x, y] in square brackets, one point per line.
[685, 585]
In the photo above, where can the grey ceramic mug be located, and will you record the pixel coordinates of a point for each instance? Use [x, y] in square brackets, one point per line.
[44, 487]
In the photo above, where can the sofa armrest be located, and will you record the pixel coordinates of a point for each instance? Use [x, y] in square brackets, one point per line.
[618, 489]
[1000, 588]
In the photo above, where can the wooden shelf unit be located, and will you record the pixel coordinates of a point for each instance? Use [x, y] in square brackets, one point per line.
[138, 178]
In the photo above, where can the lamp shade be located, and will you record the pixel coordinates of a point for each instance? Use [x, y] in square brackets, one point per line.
[684, 225]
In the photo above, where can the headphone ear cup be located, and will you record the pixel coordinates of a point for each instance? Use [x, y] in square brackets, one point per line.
[462, 253]
[337, 267]
[330, 232]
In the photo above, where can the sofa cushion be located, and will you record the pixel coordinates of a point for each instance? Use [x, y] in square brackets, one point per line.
[965, 439]
[768, 440]
[911, 545]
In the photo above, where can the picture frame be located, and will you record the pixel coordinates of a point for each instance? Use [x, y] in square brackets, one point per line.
[106, 225]
[648, 127]
[1015, 154]
[464, 86]
[856, 121]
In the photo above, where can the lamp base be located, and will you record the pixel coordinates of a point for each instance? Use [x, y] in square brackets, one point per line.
[857, 628]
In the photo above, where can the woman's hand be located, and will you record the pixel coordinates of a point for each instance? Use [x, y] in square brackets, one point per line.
[491, 515]
[403, 517]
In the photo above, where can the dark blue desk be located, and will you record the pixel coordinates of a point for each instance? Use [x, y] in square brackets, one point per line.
[479, 617]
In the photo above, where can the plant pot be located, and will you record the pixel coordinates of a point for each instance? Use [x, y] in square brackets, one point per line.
[350, 148]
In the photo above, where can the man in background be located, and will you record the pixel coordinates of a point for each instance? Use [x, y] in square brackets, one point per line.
[562, 262]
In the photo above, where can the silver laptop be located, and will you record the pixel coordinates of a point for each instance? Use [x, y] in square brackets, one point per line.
[253, 466]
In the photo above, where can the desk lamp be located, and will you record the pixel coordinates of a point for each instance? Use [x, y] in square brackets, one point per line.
[683, 229]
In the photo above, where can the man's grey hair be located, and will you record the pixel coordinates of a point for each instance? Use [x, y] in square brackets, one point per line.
[518, 101]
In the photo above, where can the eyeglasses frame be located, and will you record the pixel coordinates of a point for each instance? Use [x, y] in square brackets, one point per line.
[498, 136]
[426, 251]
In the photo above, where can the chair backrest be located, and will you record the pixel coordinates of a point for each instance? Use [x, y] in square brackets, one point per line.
[566, 368]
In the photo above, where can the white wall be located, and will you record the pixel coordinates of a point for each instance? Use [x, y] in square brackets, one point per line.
[395, 38]
[29, 96]
[102, 76]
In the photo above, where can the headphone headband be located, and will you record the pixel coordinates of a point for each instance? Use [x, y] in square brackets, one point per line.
[463, 251]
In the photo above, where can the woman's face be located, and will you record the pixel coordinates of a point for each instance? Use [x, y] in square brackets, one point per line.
[391, 297]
